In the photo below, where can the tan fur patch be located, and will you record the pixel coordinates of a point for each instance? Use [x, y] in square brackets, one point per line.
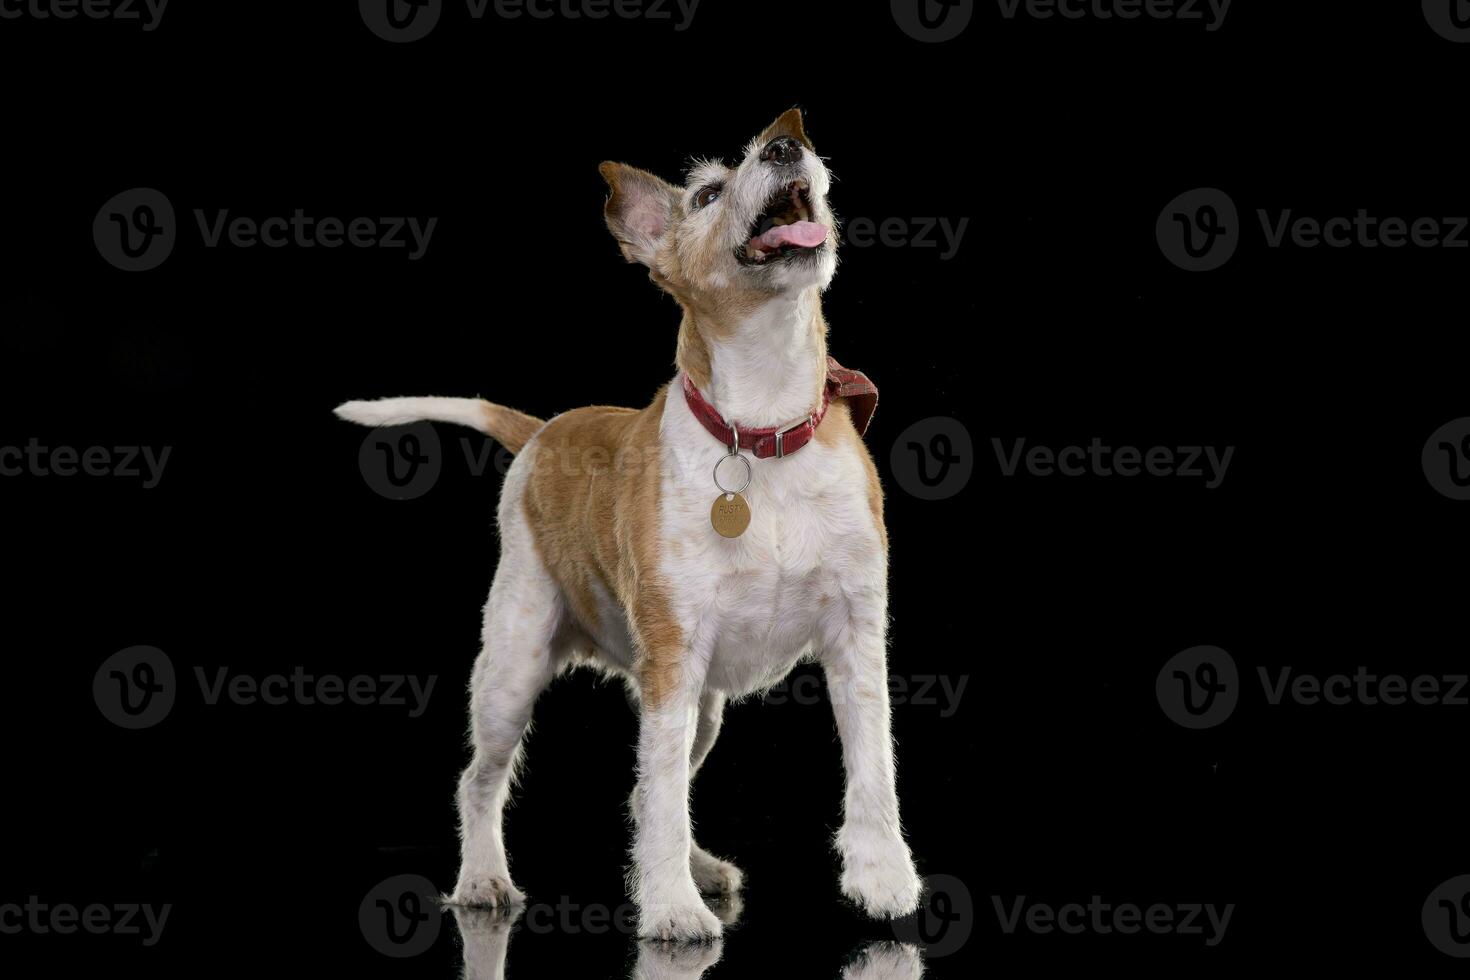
[790, 124]
[593, 505]
[838, 429]
[510, 428]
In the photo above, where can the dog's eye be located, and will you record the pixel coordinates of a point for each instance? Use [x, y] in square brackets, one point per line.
[706, 196]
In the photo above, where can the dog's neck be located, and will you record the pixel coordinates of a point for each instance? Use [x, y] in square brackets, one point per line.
[759, 368]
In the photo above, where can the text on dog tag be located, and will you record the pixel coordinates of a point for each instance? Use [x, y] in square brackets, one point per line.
[730, 515]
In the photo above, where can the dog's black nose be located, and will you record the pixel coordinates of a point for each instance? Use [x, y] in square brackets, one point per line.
[783, 151]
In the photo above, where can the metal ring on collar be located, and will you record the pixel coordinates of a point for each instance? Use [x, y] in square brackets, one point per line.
[748, 472]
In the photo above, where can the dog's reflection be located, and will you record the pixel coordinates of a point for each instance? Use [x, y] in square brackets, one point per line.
[485, 935]
[886, 961]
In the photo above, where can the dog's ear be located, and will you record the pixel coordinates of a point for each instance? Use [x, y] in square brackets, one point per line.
[790, 124]
[639, 210]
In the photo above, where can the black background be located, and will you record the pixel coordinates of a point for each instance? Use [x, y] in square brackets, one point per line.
[1059, 600]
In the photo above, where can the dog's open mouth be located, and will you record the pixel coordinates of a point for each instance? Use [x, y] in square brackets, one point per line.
[785, 228]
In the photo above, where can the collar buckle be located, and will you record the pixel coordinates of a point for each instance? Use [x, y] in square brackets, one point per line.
[781, 433]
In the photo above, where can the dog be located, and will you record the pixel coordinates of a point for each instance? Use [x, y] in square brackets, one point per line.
[698, 548]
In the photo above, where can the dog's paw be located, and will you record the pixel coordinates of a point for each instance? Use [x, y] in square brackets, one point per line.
[878, 874]
[693, 923]
[712, 875]
[486, 891]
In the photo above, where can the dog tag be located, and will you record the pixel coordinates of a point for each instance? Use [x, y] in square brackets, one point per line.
[730, 515]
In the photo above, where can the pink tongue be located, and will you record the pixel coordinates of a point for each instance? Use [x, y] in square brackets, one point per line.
[806, 234]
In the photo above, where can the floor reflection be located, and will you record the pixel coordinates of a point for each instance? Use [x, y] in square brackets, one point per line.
[486, 937]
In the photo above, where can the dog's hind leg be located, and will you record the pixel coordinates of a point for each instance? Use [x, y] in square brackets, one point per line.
[522, 620]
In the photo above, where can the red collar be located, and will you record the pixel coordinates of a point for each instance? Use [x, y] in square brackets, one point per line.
[779, 441]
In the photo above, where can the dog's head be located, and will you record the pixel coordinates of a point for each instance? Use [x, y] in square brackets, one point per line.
[761, 228]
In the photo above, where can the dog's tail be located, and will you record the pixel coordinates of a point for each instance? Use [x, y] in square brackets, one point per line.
[506, 426]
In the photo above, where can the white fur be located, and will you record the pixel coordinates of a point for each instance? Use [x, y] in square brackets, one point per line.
[402, 411]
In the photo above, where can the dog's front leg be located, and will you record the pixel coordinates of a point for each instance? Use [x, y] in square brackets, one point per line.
[669, 906]
[877, 869]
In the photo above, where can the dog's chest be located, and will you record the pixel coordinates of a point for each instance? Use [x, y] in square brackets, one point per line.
[763, 599]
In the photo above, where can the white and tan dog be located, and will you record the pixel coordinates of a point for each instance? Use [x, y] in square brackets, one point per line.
[610, 552]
